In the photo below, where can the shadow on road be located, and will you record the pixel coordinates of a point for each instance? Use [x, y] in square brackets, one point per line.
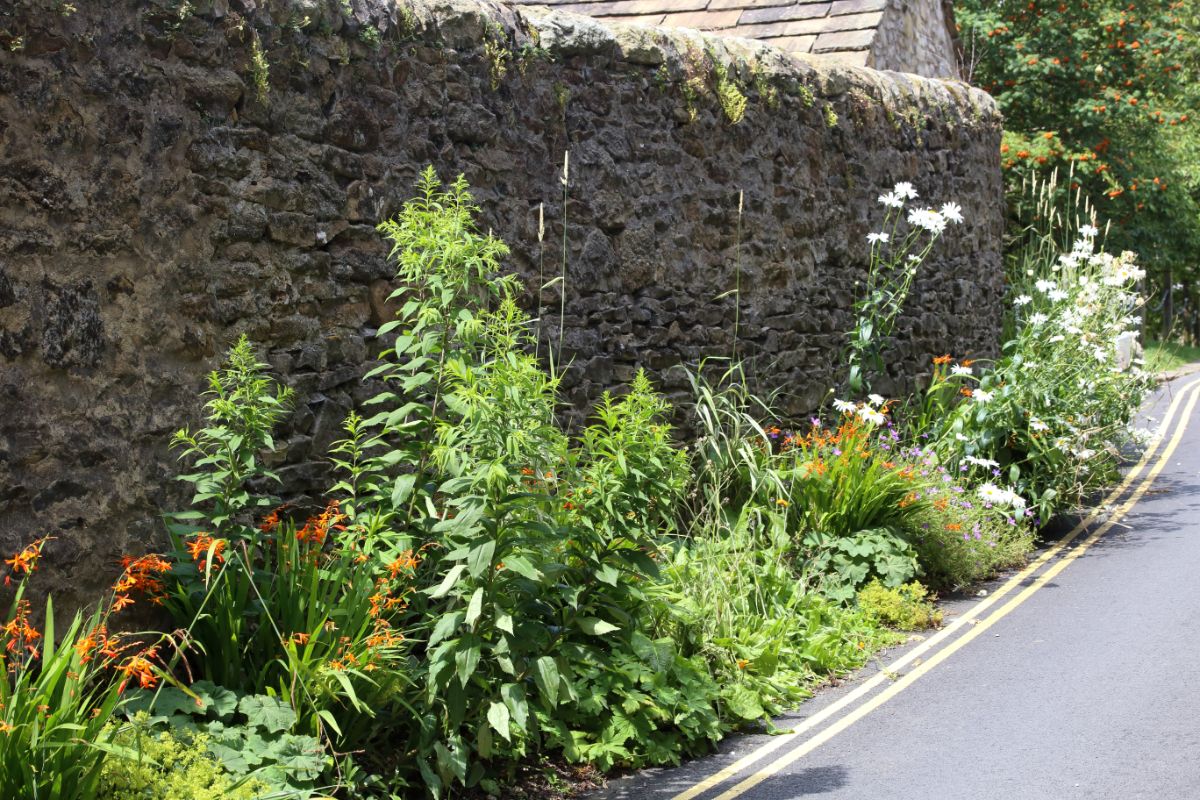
[803, 783]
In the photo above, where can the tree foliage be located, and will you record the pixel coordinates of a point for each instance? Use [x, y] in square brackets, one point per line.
[1103, 91]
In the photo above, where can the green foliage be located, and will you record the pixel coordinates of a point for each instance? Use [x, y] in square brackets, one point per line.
[643, 705]
[831, 117]
[260, 69]
[250, 737]
[843, 564]
[244, 407]
[965, 542]
[908, 607]
[167, 765]
[539, 548]
[1104, 90]
[729, 94]
[56, 697]
[731, 593]
[305, 612]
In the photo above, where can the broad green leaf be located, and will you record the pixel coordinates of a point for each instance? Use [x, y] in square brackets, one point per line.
[596, 626]
[270, 713]
[475, 608]
[498, 718]
[443, 588]
[545, 674]
[402, 489]
[480, 559]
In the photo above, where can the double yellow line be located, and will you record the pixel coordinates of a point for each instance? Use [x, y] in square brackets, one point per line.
[800, 747]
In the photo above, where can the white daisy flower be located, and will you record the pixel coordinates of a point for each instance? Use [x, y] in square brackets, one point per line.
[1056, 295]
[981, 396]
[844, 406]
[892, 200]
[905, 189]
[980, 462]
[1022, 300]
[872, 416]
[1089, 231]
[959, 369]
[881, 238]
[1037, 319]
[952, 212]
[875, 399]
[992, 493]
[928, 219]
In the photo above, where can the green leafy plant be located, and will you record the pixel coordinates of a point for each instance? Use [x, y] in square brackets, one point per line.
[305, 611]
[59, 688]
[537, 549]
[907, 607]
[843, 564]
[162, 763]
[251, 737]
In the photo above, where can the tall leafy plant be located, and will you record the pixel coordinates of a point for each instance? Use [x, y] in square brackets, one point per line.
[535, 548]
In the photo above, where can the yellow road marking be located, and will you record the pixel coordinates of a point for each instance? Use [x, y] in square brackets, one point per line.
[968, 617]
[906, 681]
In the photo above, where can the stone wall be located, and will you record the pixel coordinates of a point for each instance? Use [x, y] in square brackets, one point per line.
[172, 175]
[916, 36]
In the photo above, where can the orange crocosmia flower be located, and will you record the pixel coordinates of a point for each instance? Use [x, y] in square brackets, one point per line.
[405, 561]
[139, 667]
[26, 560]
[199, 547]
[316, 528]
[271, 521]
[140, 575]
[966, 391]
[943, 359]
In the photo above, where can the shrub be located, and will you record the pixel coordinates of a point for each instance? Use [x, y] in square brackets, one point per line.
[907, 607]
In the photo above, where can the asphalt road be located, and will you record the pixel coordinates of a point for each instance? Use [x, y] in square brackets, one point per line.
[1088, 688]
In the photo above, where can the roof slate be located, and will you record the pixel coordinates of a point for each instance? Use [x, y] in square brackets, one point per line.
[843, 29]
